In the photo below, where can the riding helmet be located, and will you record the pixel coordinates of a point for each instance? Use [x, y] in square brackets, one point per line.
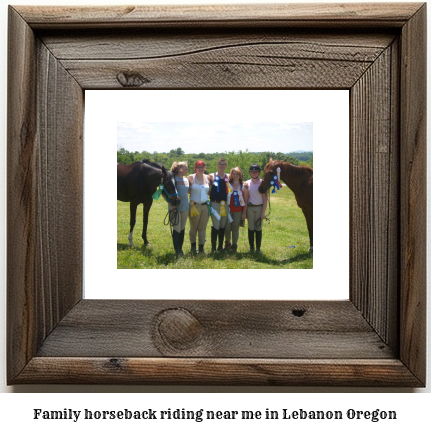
[255, 167]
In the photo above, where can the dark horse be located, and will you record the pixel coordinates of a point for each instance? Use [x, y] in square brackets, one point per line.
[299, 179]
[137, 182]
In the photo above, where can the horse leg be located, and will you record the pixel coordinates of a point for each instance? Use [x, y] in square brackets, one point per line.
[147, 206]
[133, 207]
[308, 213]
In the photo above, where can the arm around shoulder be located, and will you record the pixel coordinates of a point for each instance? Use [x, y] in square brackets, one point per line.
[245, 191]
[190, 178]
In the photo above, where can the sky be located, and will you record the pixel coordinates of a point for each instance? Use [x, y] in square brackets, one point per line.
[209, 137]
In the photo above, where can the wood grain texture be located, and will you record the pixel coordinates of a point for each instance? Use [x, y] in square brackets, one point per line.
[413, 193]
[376, 338]
[374, 219]
[59, 182]
[196, 371]
[299, 14]
[45, 187]
[21, 194]
[344, 45]
[231, 60]
[234, 329]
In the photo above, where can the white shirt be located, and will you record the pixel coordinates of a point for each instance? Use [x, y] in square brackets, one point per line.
[199, 193]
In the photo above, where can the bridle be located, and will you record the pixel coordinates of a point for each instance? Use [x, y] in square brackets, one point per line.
[167, 194]
[269, 184]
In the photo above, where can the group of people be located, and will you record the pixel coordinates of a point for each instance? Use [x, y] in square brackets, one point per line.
[226, 198]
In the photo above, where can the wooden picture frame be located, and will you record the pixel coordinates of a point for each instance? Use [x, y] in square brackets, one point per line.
[376, 338]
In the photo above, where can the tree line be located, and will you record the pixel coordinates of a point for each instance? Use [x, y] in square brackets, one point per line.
[243, 159]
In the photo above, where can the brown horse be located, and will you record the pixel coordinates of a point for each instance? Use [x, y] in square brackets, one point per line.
[137, 182]
[299, 179]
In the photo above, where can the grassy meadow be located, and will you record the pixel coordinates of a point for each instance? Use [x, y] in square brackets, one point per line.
[286, 228]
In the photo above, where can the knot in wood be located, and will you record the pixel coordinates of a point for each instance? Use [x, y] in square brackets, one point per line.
[131, 79]
[298, 312]
[178, 329]
[115, 363]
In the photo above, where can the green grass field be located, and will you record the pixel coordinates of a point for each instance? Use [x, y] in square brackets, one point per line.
[286, 228]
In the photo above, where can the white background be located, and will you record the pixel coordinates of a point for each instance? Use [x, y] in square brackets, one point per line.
[16, 409]
[329, 112]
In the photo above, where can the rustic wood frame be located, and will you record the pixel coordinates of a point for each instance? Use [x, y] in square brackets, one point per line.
[376, 338]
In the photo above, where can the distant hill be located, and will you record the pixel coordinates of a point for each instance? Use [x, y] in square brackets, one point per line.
[242, 159]
[302, 156]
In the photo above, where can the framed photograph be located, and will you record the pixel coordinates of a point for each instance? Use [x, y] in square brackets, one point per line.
[251, 121]
[375, 337]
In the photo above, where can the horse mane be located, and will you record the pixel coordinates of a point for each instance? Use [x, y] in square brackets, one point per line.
[156, 165]
[294, 170]
[153, 164]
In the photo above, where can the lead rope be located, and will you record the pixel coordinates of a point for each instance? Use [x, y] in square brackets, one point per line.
[172, 218]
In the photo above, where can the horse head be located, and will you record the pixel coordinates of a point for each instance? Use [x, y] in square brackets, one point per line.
[268, 174]
[169, 187]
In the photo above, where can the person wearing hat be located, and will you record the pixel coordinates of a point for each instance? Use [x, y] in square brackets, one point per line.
[198, 211]
[256, 208]
[219, 191]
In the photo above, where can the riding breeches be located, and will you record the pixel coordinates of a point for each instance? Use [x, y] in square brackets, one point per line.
[217, 224]
[253, 215]
[181, 221]
[198, 223]
[233, 227]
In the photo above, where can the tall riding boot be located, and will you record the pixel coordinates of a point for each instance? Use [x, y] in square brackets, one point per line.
[214, 235]
[220, 239]
[251, 240]
[193, 249]
[181, 242]
[176, 242]
[258, 240]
